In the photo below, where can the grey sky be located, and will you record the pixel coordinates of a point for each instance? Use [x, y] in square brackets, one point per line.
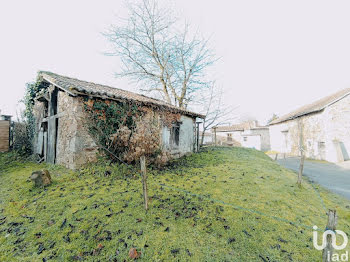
[276, 55]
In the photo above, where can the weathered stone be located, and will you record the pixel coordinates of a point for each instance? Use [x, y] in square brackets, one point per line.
[325, 134]
[41, 178]
[75, 145]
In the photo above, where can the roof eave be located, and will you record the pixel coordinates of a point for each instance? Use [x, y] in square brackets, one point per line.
[75, 92]
[295, 117]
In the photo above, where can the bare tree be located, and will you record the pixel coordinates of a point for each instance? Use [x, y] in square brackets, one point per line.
[216, 112]
[158, 55]
[247, 117]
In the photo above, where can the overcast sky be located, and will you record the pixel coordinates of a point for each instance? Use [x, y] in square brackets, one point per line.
[275, 55]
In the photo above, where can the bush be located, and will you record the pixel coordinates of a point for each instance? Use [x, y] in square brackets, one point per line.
[126, 131]
[22, 138]
[24, 129]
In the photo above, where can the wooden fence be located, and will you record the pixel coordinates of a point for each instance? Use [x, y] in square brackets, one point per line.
[4, 135]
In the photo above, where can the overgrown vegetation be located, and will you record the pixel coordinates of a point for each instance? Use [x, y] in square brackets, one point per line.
[126, 131]
[24, 130]
[96, 213]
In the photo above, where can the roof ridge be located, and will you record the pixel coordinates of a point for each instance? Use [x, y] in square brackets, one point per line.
[90, 82]
[315, 106]
[75, 86]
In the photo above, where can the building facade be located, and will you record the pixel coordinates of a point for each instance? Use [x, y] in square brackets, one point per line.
[248, 134]
[321, 129]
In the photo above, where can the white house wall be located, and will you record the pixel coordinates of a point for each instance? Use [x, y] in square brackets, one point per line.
[337, 125]
[326, 134]
[186, 138]
[277, 138]
[258, 138]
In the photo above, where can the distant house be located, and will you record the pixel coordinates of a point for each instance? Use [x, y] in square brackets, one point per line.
[62, 136]
[248, 134]
[323, 127]
[208, 138]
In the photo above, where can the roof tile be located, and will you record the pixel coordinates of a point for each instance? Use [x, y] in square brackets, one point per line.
[80, 87]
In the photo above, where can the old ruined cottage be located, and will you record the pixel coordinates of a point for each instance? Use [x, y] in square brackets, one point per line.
[321, 129]
[247, 134]
[62, 136]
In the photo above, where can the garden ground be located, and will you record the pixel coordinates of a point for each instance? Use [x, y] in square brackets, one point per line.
[226, 204]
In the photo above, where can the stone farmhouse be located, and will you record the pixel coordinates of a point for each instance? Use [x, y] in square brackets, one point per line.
[62, 136]
[247, 134]
[321, 129]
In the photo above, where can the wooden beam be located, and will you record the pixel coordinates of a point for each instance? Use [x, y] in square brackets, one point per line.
[51, 136]
[61, 114]
[53, 83]
[43, 97]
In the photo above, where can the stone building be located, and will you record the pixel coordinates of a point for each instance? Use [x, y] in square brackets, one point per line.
[322, 129]
[207, 139]
[63, 137]
[248, 134]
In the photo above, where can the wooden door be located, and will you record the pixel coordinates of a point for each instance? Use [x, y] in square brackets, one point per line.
[52, 128]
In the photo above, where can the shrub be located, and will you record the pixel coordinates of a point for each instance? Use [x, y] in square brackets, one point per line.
[24, 130]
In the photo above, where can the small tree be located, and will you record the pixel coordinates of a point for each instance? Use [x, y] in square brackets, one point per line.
[24, 128]
[216, 112]
[274, 117]
[156, 53]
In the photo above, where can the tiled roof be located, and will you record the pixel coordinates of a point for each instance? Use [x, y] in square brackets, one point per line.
[239, 127]
[79, 87]
[314, 107]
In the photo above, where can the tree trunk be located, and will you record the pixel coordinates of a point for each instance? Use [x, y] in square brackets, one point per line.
[202, 138]
[215, 136]
[165, 91]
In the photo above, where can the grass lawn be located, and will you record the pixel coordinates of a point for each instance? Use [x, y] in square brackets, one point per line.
[227, 204]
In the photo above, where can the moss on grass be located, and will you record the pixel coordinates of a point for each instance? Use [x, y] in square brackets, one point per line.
[97, 213]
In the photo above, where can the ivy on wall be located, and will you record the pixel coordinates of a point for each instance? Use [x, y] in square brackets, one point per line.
[128, 130]
[106, 118]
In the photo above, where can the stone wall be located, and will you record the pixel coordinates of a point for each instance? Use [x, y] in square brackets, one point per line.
[337, 122]
[285, 136]
[75, 146]
[325, 136]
